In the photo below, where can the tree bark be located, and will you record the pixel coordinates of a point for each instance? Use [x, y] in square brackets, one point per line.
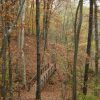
[4, 53]
[38, 89]
[10, 71]
[88, 52]
[22, 45]
[96, 45]
[46, 21]
[77, 29]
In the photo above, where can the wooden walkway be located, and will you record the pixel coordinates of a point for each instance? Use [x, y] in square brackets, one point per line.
[46, 72]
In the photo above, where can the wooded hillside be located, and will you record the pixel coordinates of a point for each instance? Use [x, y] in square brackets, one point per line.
[49, 49]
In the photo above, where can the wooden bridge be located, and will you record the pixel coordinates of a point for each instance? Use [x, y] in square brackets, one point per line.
[46, 72]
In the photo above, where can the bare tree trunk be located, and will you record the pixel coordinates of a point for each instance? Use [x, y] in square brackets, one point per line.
[4, 53]
[38, 89]
[47, 20]
[10, 71]
[33, 17]
[44, 17]
[77, 29]
[22, 45]
[88, 48]
[96, 45]
[46, 24]
[4, 58]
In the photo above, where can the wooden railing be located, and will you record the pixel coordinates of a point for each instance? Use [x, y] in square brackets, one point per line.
[46, 72]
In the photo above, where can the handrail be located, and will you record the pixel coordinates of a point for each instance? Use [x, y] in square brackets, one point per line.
[46, 72]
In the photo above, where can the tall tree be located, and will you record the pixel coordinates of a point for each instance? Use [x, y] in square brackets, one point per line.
[22, 44]
[10, 70]
[47, 11]
[77, 28]
[96, 44]
[88, 52]
[7, 27]
[32, 16]
[38, 89]
[44, 17]
[4, 51]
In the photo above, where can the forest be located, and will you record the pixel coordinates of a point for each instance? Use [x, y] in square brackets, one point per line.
[49, 49]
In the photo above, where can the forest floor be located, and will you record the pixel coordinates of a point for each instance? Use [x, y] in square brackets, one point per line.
[53, 90]
[58, 86]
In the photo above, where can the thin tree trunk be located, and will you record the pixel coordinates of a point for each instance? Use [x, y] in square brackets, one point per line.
[96, 45]
[33, 17]
[3, 91]
[88, 48]
[47, 20]
[38, 89]
[22, 45]
[4, 54]
[44, 17]
[21, 61]
[46, 24]
[77, 29]
[10, 71]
